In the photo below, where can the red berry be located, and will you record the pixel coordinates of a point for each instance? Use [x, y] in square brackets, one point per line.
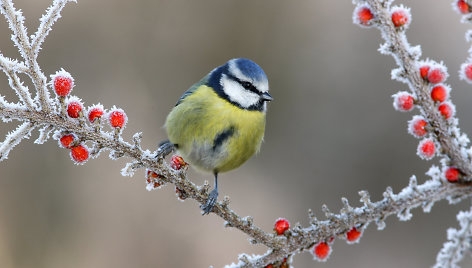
[79, 153]
[353, 235]
[66, 140]
[94, 113]
[152, 174]
[117, 118]
[426, 149]
[439, 93]
[446, 109]
[152, 179]
[417, 125]
[74, 108]
[177, 162]
[437, 75]
[364, 16]
[281, 225]
[452, 174]
[466, 72]
[424, 71]
[268, 266]
[62, 82]
[400, 17]
[403, 101]
[322, 251]
[463, 7]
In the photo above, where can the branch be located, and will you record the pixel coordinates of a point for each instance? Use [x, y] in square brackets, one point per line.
[338, 225]
[408, 72]
[15, 21]
[53, 13]
[459, 242]
[9, 67]
[14, 138]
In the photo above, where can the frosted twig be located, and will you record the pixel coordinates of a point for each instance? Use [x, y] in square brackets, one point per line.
[13, 138]
[430, 191]
[459, 242]
[14, 65]
[407, 59]
[20, 38]
[16, 23]
[15, 83]
[53, 13]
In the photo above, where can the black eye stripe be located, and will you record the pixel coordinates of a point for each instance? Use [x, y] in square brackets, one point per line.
[245, 84]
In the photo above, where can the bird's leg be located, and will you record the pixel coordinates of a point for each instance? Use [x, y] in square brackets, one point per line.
[165, 148]
[208, 206]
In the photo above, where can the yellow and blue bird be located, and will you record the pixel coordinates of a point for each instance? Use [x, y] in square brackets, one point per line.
[219, 122]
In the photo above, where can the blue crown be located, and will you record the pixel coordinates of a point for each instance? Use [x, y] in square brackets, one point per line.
[249, 69]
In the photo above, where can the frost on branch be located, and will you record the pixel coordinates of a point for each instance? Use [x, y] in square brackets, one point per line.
[459, 242]
[85, 131]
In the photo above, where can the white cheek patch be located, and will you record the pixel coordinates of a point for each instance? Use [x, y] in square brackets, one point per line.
[237, 93]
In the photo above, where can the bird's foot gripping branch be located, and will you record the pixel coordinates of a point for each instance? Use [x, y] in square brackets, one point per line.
[86, 132]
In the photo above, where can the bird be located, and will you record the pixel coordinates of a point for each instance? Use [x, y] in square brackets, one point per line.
[219, 122]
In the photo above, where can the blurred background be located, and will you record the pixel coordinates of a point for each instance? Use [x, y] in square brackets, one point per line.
[331, 131]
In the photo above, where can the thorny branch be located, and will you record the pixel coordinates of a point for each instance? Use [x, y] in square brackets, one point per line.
[48, 115]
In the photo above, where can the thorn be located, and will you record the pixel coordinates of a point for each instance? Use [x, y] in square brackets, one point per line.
[312, 217]
[244, 258]
[204, 188]
[326, 211]
[346, 207]
[137, 137]
[225, 202]
[413, 183]
[389, 194]
[249, 221]
[365, 198]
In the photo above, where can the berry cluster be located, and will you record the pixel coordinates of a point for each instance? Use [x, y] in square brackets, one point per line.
[433, 74]
[72, 107]
[322, 249]
[400, 16]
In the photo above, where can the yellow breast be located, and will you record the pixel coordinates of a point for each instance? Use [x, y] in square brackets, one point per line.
[203, 120]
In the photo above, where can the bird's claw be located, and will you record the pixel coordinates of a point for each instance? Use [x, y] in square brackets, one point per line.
[165, 148]
[210, 204]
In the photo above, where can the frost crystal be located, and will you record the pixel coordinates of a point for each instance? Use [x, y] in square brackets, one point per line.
[434, 172]
[44, 133]
[130, 168]
[14, 138]
[458, 242]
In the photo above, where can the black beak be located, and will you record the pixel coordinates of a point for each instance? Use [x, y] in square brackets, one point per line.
[266, 97]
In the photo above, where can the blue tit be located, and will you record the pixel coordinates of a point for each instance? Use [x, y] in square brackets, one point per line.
[219, 122]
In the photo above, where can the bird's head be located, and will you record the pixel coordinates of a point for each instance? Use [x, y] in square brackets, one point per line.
[241, 82]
